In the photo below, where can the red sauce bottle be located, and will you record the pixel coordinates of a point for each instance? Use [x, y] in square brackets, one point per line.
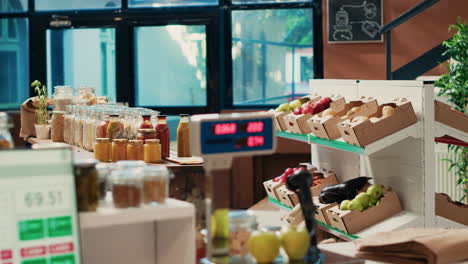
[164, 135]
[146, 122]
[102, 127]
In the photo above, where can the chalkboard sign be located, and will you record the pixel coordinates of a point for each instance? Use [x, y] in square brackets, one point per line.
[354, 21]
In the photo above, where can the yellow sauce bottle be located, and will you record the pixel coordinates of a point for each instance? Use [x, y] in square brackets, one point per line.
[183, 137]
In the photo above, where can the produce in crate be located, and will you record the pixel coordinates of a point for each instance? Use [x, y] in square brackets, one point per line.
[295, 242]
[364, 200]
[343, 191]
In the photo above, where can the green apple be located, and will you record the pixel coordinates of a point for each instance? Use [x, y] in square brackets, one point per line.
[222, 223]
[355, 205]
[295, 104]
[375, 191]
[345, 205]
[364, 199]
[378, 202]
[283, 107]
[371, 205]
[295, 242]
[264, 246]
[373, 201]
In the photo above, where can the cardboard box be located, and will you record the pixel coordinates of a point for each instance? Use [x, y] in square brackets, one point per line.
[450, 209]
[327, 126]
[280, 124]
[299, 123]
[364, 133]
[450, 117]
[290, 198]
[321, 210]
[352, 222]
[271, 188]
[294, 217]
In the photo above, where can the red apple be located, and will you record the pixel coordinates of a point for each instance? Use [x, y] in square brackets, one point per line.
[317, 108]
[298, 111]
[307, 109]
[325, 101]
[288, 171]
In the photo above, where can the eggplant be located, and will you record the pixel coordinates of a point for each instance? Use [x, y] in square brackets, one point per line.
[343, 191]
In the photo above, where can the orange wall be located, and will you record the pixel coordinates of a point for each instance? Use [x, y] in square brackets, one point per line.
[409, 40]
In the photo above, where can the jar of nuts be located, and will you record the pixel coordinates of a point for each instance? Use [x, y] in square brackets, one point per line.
[241, 225]
[155, 185]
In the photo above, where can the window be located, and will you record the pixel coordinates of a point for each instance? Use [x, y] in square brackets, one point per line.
[170, 65]
[14, 61]
[266, 1]
[50, 5]
[166, 3]
[13, 6]
[272, 55]
[82, 57]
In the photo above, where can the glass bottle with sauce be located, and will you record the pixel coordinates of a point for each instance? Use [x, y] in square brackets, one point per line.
[135, 150]
[183, 137]
[119, 149]
[87, 186]
[114, 126]
[164, 136]
[101, 131]
[103, 149]
[6, 141]
[152, 152]
[146, 123]
[155, 185]
[57, 127]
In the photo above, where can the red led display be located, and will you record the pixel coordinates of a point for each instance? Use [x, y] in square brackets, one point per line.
[255, 141]
[255, 127]
[225, 129]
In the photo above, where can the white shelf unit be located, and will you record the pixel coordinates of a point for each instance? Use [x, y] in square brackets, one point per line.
[403, 160]
[146, 235]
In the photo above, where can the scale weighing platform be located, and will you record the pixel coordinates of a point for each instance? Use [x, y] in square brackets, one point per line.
[38, 213]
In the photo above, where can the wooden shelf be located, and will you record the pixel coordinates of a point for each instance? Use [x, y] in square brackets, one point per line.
[107, 215]
[80, 153]
[449, 135]
[411, 131]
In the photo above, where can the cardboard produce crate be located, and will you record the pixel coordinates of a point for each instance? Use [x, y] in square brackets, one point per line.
[294, 217]
[321, 210]
[299, 123]
[280, 124]
[290, 198]
[444, 114]
[450, 209]
[271, 188]
[366, 132]
[352, 222]
[327, 126]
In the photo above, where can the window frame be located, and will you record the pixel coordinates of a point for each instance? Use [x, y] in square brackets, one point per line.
[216, 18]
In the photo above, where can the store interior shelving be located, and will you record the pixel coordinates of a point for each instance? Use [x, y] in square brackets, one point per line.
[397, 160]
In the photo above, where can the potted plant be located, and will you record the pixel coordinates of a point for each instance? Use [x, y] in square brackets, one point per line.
[42, 115]
[454, 85]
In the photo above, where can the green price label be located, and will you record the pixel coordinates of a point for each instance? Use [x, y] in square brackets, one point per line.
[63, 259]
[31, 229]
[35, 261]
[59, 226]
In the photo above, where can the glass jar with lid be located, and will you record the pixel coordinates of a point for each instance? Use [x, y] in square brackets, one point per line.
[86, 92]
[57, 127]
[79, 127]
[119, 149]
[127, 183]
[103, 171]
[102, 126]
[152, 152]
[155, 185]
[135, 150]
[144, 134]
[241, 225]
[114, 126]
[103, 149]
[87, 186]
[66, 124]
[6, 141]
[146, 123]
[63, 96]
[89, 129]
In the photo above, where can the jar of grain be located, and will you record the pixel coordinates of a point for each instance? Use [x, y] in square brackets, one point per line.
[155, 185]
[57, 128]
[152, 152]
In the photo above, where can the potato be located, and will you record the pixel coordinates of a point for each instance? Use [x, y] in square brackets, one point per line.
[374, 119]
[344, 117]
[359, 119]
[354, 110]
[329, 112]
[387, 111]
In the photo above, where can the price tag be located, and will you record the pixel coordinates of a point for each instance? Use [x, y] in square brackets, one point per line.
[43, 199]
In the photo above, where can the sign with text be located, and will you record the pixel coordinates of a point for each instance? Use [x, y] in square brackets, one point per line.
[39, 219]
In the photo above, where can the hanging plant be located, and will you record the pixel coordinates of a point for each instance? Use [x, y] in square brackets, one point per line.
[454, 85]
